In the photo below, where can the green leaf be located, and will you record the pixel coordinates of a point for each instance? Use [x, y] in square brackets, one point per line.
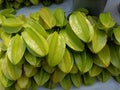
[50, 85]
[36, 27]
[8, 12]
[34, 85]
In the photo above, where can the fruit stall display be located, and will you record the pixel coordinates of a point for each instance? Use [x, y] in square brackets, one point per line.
[49, 49]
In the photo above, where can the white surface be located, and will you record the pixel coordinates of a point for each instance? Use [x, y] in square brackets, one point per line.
[111, 7]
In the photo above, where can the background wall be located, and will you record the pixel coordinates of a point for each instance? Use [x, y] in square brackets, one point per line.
[111, 7]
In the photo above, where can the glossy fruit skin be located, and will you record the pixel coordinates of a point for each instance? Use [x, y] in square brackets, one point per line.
[48, 50]
[16, 48]
[81, 26]
[38, 48]
[57, 49]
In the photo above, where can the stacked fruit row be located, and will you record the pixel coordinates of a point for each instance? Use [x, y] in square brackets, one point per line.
[47, 49]
[21, 3]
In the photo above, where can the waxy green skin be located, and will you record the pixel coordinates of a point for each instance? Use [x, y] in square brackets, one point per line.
[87, 80]
[95, 71]
[81, 26]
[36, 44]
[3, 79]
[11, 71]
[56, 49]
[58, 76]
[115, 55]
[76, 79]
[24, 82]
[98, 42]
[104, 76]
[16, 49]
[41, 77]
[71, 39]
[84, 61]
[60, 17]
[66, 83]
[48, 18]
[36, 27]
[106, 20]
[6, 38]
[67, 62]
[104, 55]
[29, 70]
[54, 52]
[116, 34]
[31, 59]
[47, 2]
[9, 25]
